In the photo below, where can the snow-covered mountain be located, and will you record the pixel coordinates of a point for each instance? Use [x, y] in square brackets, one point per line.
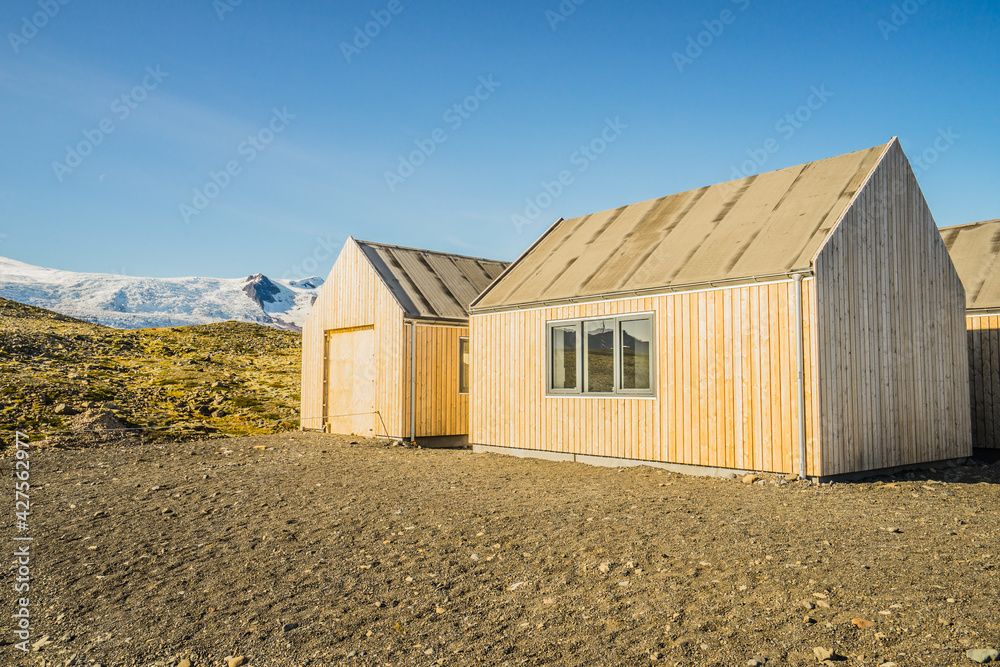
[126, 302]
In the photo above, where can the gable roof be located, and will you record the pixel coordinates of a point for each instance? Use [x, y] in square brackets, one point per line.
[762, 226]
[975, 252]
[431, 285]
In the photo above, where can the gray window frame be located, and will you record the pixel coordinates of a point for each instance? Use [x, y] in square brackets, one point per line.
[581, 380]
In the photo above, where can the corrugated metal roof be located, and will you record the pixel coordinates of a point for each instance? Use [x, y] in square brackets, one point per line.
[975, 250]
[770, 224]
[431, 285]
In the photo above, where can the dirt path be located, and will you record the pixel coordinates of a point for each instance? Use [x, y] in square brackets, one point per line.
[303, 549]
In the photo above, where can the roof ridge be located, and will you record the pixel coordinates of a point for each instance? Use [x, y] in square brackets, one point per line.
[433, 252]
[969, 224]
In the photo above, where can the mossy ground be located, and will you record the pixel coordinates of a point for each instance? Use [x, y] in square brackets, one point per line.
[230, 378]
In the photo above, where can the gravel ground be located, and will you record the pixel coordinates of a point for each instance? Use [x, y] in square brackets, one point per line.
[305, 549]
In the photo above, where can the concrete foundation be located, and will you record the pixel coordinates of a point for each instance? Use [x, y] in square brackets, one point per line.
[608, 461]
[701, 471]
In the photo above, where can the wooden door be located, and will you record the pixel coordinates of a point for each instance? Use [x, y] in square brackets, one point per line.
[350, 382]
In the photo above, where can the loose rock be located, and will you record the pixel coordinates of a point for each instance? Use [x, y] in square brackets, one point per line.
[822, 653]
[982, 655]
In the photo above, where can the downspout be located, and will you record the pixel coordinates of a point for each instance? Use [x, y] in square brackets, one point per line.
[801, 372]
[413, 382]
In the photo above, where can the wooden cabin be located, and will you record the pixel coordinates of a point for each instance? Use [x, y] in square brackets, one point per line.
[975, 250]
[385, 348]
[807, 320]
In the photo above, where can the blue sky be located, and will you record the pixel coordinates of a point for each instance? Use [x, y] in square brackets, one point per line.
[245, 137]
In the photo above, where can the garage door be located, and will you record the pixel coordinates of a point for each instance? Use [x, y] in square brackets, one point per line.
[350, 382]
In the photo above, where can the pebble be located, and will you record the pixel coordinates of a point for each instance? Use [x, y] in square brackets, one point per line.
[981, 655]
[823, 653]
[861, 623]
[757, 661]
[288, 627]
[238, 661]
[791, 477]
[184, 663]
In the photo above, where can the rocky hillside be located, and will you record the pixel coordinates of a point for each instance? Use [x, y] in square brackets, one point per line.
[59, 375]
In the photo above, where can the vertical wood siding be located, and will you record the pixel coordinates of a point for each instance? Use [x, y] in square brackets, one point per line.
[983, 335]
[893, 365]
[441, 409]
[725, 372]
[353, 296]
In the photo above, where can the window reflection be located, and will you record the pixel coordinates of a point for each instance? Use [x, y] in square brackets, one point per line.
[564, 346]
[636, 336]
[600, 359]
